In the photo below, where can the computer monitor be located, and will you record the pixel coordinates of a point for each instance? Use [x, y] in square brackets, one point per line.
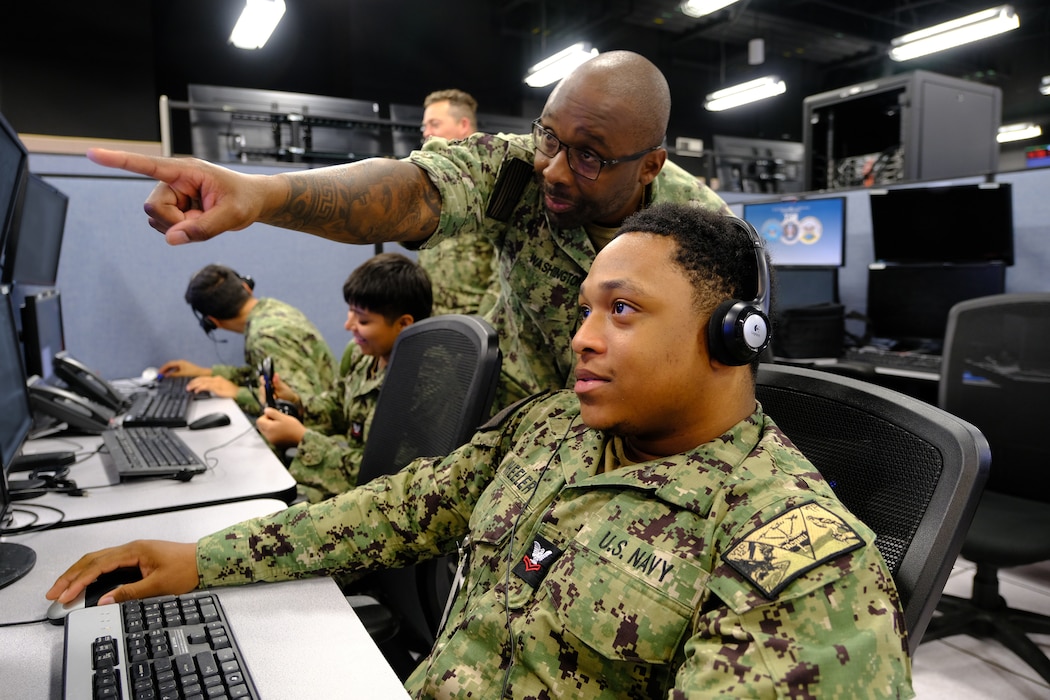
[909, 304]
[16, 419]
[34, 246]
[805, 286]
[950, 224]
[14, 167]
[42, 334]
[803, 232]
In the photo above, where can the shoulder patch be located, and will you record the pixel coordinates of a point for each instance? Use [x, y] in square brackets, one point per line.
[796, 541]
[497, 420]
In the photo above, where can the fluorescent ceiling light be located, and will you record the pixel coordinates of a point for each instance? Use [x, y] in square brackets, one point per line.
[1044, 85]
[1018, 132]
[744, 93]
[699, 8]
[979, 25]
[258, 20]
[552, 69]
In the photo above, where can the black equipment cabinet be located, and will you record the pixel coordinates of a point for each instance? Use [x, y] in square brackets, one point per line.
[913, 126]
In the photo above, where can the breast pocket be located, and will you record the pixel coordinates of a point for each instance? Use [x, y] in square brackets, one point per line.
[624, 598]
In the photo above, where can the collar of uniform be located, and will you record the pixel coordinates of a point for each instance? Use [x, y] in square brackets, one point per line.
[683, 480]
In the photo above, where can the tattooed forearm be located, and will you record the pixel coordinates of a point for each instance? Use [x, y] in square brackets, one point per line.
[371, 201]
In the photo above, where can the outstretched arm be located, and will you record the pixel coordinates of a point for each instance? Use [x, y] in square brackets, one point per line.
[370, 201]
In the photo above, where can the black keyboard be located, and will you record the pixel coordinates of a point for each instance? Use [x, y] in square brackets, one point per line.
[169, 647]
[150, 452]
[880, 358]
[152, 407]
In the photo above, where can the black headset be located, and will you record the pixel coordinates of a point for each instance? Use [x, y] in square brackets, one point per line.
[739, 330]
[207, 325]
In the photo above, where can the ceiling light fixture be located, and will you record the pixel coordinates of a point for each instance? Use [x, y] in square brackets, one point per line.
[554, 68]
[1044, 85]
[742, 94]
[979, 25]
[257, 21]
[1018, 132]
[699, 8]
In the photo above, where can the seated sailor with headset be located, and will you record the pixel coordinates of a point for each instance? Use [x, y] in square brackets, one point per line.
[221, 298]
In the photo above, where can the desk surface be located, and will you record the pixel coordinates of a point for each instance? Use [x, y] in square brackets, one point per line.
[299, 638]
[240, 466]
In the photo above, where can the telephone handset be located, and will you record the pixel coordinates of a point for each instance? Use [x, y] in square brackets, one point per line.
[285, 407]
[86, 382]
[78, 412]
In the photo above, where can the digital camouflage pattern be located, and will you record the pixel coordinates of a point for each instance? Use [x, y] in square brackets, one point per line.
[540, 266]
[300, 354]
[328, 458]
[463, 275]
[616, 584]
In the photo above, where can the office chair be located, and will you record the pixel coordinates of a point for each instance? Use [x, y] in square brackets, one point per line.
[438, 390]
[996, 374]
[910, 471]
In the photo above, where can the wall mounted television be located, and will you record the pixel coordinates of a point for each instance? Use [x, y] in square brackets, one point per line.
[801, 233]
[949, 224]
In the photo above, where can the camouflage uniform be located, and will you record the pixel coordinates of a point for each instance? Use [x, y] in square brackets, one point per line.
[300, 354]
[540, 266]
[329, 455]
[728, 571]
[463, 274]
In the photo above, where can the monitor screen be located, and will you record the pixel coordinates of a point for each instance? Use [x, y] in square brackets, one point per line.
[14, 166]
[16, 419]
[34, 246]
[806, 232]
[805, 286]
[42, 335]
[951, 224]
[909, 304]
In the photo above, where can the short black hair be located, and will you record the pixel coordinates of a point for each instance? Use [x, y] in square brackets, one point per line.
[218, 291]
[390, 284]
[716, 254]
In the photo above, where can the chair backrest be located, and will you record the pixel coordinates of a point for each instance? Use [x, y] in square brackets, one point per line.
[438, 389]
[910, 471]
[995, 373]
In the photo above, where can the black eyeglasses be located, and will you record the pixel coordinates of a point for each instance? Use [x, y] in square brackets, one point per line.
[582, 162]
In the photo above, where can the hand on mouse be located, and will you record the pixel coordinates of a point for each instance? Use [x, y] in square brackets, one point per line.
[168, 568]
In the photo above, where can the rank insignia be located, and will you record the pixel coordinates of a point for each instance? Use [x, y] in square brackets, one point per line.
[534, 565]
[796, 541]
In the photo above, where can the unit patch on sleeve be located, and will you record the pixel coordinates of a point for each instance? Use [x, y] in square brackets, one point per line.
[800, 539]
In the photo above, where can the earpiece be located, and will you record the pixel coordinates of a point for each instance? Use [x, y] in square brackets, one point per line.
[739, 330]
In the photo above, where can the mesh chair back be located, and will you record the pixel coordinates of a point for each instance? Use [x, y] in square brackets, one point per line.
[910, 471]
[438, 389]
[995, 373]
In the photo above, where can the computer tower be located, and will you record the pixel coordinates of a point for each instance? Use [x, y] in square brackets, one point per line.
[913, 126]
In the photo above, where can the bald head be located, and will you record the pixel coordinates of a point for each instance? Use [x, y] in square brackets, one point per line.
[633, 83]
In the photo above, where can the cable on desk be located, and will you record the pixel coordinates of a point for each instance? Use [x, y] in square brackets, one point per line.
[212, 462]
[32, 526]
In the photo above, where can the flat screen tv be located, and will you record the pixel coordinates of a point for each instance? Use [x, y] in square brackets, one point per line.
[34, 245]
[801, 233]
[950, 224]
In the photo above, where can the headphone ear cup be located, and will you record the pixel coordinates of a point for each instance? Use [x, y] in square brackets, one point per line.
[737, 333]
[207, 325]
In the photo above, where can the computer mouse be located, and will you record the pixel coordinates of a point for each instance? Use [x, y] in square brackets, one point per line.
[150, 373]
[211, 420]
[89, 597]
[56, 613]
